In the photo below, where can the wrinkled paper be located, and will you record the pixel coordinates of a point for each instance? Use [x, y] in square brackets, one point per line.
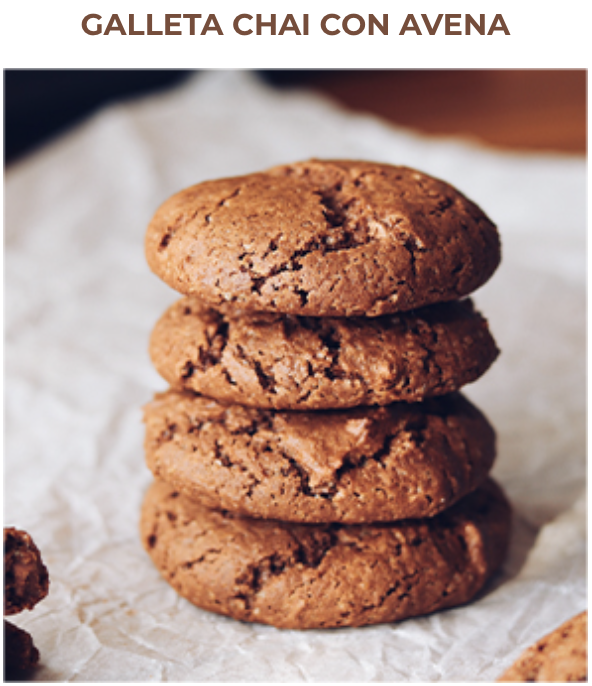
[80, 303]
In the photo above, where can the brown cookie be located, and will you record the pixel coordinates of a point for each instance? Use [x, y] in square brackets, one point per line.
[320, 576]
[561, 656]
[26, 581]
[323, 238]
[288, 362]
[357, 465]
[20, 653]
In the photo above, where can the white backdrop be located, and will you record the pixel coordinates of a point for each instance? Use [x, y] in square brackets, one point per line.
[41, 34]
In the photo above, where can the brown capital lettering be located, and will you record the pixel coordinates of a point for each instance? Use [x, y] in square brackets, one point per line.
[236, 26]
[410, 25]
[373, 21]
[361, 24]
[469, 21]
[431, 29]
[132, 28]
[85, 28]
[494, 25]
[452, 24]
[289, 25]
[324, 21]
[115, 25]
[263, 24]
[169, 25]
[192, 18]
[211, 25]
[151, 31]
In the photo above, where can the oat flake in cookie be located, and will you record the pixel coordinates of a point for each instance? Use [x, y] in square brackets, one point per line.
[307, 363]
[320, 576]
[358, 465]
[323, 238]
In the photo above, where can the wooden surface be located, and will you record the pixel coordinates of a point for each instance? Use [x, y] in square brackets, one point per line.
[516, 109]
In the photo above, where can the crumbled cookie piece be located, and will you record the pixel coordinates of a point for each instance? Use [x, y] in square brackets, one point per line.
[20, 654]
[561, 656]
[26, 581]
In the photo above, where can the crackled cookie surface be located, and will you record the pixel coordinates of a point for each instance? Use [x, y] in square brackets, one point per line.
[289, 362]
[357, 465]
[26, 580]
[323, 238]
[561, 656]
[305, 576]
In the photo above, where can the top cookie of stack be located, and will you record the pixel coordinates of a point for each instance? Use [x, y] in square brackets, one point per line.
[299, 280]
[323, 238]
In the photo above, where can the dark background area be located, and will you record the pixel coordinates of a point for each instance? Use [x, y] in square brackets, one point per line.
[512, 109]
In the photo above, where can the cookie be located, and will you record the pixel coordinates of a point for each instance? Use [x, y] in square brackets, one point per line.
[561, 656]
[357, 465]
[26, 581]
[288, 362]
[20, 653]
[299, 576]
[323, 238]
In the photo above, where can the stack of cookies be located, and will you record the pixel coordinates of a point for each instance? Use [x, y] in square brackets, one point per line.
[315, 464]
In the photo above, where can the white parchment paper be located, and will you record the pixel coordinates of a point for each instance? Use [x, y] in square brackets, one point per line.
[79, 306]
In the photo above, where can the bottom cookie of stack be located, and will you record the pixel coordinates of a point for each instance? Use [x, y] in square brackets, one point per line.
[305, 576]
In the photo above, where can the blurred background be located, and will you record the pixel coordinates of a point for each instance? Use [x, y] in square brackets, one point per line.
[516, 109]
